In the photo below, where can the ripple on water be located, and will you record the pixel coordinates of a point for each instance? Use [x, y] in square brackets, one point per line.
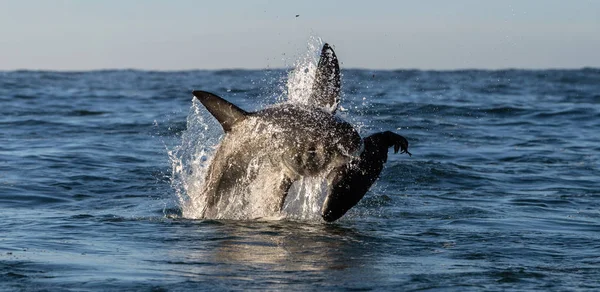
[501, 192]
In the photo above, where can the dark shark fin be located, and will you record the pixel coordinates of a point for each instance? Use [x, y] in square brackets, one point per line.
[284, 188]
[225, 112]
[327, 86]
[349, 183]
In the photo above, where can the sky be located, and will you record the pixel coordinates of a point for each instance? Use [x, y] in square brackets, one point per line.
[225, 34]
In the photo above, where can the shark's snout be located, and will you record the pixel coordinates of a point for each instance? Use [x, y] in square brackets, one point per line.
[353, 151]
[350, 143]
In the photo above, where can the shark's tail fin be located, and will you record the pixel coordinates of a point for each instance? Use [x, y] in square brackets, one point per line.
[327, 86]
[225, 112]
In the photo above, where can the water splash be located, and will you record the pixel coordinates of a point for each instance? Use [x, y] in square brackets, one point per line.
[191, 159]
[305, 199]
[302, 76]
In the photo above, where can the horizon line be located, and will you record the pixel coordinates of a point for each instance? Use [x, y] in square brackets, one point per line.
[290, 68]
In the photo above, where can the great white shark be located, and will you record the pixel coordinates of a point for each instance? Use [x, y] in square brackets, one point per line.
[266, 151]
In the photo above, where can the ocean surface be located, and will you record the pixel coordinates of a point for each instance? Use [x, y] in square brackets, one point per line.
[502, 191]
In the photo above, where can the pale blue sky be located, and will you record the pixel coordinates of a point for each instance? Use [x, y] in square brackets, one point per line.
[171, 35]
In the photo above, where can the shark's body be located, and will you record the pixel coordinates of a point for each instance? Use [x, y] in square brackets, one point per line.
[264, 152]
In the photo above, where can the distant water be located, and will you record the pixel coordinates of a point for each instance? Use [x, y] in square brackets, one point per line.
[502, 191]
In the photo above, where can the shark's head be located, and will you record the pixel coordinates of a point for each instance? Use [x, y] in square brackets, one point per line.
[321, 148]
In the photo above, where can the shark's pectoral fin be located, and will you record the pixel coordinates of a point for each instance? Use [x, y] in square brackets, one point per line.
[225, 112]
[350, 182]
[326, 89]
[284, 188]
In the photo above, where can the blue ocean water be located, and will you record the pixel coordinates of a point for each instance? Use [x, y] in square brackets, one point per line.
[502, 191]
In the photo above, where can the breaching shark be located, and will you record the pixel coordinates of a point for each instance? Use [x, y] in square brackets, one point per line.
[263, 153]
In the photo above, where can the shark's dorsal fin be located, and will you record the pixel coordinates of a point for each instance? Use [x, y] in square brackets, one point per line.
[227, 113]
[327, 86]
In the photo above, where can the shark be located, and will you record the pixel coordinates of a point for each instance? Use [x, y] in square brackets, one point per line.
[263, 153]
